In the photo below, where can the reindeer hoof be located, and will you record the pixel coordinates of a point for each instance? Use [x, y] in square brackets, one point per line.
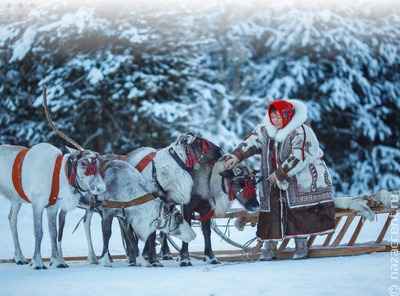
[157, 264]
[167, 257]
[215, 261]
[40, 267]
[185, 264]
[22, 262]
[62, 265]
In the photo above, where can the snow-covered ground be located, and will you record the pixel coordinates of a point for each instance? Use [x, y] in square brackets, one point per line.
[353, 275]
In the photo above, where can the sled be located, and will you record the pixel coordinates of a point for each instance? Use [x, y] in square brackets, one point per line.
[332, 245]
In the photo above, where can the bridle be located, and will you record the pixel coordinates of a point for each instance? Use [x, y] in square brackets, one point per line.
[71, 171]
[165, 218]
[191, 156]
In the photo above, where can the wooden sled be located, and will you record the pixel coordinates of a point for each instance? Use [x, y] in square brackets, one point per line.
[332, 245]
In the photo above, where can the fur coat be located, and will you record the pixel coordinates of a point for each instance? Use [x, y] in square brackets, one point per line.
[301, 202]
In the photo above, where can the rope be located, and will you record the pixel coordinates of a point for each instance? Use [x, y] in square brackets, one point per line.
[246, 245]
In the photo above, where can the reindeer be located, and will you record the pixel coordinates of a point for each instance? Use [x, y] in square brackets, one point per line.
[128, 197]
[213, 193]
[42, 176]
[166, 172]
[165, 181]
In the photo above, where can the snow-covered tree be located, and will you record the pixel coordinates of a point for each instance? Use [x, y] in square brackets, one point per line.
[138, 73]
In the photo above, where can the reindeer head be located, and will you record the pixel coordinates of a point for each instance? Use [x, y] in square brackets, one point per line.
[241, 182]
[84, 171]
[198, 150]
[171, 221]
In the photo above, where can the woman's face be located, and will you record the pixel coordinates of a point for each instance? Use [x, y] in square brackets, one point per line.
[276, 119]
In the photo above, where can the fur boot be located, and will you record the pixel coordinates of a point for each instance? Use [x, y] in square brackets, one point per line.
[301, 251]
[270, 251]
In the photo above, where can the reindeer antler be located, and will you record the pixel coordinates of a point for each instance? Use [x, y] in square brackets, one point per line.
[46, 109]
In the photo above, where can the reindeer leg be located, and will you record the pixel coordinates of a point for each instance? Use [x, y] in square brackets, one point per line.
[184, 259]
[209, 256]
[152, 257]
[165, 251]
[13, 219]
[61, 225]
[37, 261]
[132, 249]
[124, 227]
[106, 225]
[52, 224]
[87, 222]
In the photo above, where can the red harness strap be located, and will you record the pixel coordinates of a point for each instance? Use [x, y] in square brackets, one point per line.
[145, 161]
[16, 174]
[55, 184]
[206, 217]
[17, 182]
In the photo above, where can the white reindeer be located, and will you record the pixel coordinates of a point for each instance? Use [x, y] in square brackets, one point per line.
[47, 179]
[128, 197]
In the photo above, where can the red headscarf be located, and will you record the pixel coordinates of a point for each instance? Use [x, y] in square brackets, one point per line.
[285, 109]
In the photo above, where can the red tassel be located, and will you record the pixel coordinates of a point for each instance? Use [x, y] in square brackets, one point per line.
[231, 196]
[91, 168]
[72, 177]
[205, 146]
[249, 190]
[190, 156]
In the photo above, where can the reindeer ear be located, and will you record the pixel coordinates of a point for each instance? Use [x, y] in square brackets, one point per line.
[187, 138]
[227, 174]
[72, 151]
[237, 171]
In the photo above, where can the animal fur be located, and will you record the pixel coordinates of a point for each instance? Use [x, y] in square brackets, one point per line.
[361, 204]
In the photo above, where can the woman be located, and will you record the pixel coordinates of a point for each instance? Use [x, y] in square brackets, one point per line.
[296, 189]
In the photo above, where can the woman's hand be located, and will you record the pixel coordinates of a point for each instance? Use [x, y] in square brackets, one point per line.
[272, 178]
[230, 161]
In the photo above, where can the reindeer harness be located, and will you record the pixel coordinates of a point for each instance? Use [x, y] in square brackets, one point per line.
[17, 177]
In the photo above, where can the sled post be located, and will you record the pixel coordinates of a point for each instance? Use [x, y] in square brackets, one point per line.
[346, 226]
[329, 236]
[386, 226]
[256, 249]
[283, 245]
[356, 232]
[311, 241]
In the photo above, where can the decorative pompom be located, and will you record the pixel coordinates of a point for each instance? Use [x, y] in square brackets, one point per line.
[249, 190]
[205, 145]
[231, 195]
[72, 177]
[190, 156]
[91, 168]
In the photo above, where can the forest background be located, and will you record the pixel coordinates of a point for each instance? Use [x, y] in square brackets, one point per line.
[126, 74]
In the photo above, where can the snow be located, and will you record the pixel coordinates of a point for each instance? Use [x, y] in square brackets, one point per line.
[351, 275]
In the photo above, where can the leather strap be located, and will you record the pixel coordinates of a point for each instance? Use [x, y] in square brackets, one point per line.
[16, 174]
[124, 204]
[55, 183]
[145, 161]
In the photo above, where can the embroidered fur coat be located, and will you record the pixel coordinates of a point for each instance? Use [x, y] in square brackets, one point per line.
[301, 202]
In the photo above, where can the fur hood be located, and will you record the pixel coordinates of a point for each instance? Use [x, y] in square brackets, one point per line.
[298, 119]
